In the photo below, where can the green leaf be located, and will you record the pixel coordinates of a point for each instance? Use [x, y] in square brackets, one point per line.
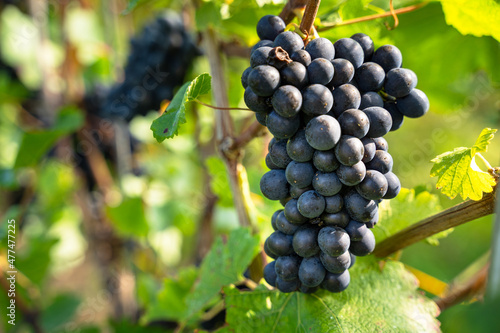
[477, 18]
[36, 143]
[171, 300]
[61, 310]
[223, 265]
[129, 217]
[219, 181]
[376, 301]
[404, 210]
[167, 125]
[36, 261]
[458, 172]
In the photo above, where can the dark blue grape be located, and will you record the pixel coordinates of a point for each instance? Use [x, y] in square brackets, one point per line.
[397, 117]
[298, 149]
[299, 174]
[374, 186]
[326, 183]
[289, 41]
[284, 225]
[264, 80]
[307, 290]
[370, 77]
[340, 219]
[354, 122]
[351, 175]
[273, 218]
[292, 213]
[348, 48]
[325, 160]
[296, 192]
[400, 82]
[381, 143]
[320, 71]
[287, 267]
[301, 56]
[273, 185]
[316, 100]
[343, 72]
[388, 56]
[359, 208]
[356, 230]
[278, 154]
[382, 162]
[333, 241]
[366, 44]
[311, 204]
[261, 43]
[394, 185]
[305, 241]
[256, 103]
[336, 283]
[370, 149]
[369, 99]
[270, 26]
[287, 286]
[345, 97]
[321, 48]
[349, 150]
[334, 204]
[365, 246]
[259, 56]
[270, 274]
[415, 105]
[269, 163]
[261, 118]
[311, 272]
[280, 244]
[380, 121]
[281, 127]
[323, 132]
[353, 260]
[337, 264]
[294, 74]
[244, 77]
[287, 101]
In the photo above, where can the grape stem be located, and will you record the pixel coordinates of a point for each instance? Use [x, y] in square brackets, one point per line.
[328, 26]
[289, 11]
[462, 213]
[220, 108]
[310, 13]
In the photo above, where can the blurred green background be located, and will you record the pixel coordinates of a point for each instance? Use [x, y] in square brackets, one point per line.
[91, 251]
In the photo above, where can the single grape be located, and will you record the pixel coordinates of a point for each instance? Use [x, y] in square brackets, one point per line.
[333, 241]
[348, 48]
[244, 77]
[292, 213]
[261, 43]
[369, 99]
[388, 56]
[274, 185]
[323, 132]
[289, 41]
[311, 272]
[268, 251]
[365, 246]
[287, 267]
[337, 264]
[301, 56]
[381, 143]
[294, 74]
[307, 290]
[336, 283]
[273, 219]
[394, 185]
[380, 121]
[287, 101]
[382, 162]
[311, 204]
[353, 260]
[400, 82]
[298, 149]
[287, 286]
[279, 155]
[351, 175]
[299, 174]
[270, 26]
[283, 202]
[296, 192]
[280, 244]
[374, 186]
[370, 149]
[325, 160]
[264, 80]
[320, 71]
[354, 122]
[397, 117]
[370, 77]
[349, 150]
[343, 72]
[356, 230]
[359, 208]
[270, 274]
[366, 44]
[334, 204]
[269, 163]
[256, 103]
[415, 105]
[261, 118]
[281, 127]
[326, 183]
[340, 219]
[305, 241]
[284, 225]
[316, 100]
[259, 56]
[345, 97]
[321, 48]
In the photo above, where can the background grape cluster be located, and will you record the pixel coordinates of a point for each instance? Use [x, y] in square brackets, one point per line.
[328, 107]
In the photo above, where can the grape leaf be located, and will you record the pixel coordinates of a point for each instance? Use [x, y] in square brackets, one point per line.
[376, 301]
[129, 217]
[458, 172]
[478, 18]
[167, 125]
[223, 265]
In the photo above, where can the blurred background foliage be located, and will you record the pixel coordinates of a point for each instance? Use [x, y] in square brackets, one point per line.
[104, 213]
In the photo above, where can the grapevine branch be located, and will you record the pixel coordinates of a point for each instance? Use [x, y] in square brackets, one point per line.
[287, 14]
[309, 16]
[462, 213]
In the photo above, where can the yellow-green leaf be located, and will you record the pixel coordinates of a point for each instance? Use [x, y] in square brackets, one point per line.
[458, 172]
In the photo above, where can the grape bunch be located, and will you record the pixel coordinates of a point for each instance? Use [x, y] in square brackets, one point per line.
[328, 107]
